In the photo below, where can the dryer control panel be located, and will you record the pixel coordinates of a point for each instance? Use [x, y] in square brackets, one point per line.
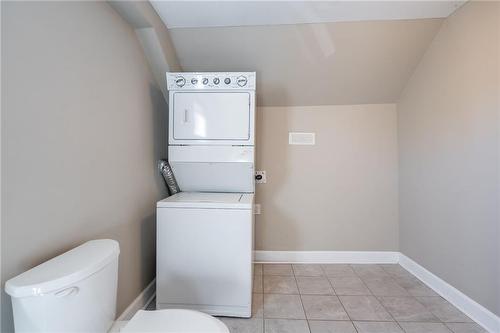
[211, 81]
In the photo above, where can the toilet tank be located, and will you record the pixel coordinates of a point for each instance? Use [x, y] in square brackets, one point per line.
[73, 292]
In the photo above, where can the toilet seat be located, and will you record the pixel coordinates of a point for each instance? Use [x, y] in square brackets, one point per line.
[174, 320]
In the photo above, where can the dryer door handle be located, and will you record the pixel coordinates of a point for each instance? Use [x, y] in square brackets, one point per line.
[186, 111]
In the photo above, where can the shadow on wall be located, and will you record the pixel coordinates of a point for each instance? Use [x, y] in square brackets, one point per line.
[160, 139]
[272, 193]
[160, 151]
[148, 236]
[160, 132]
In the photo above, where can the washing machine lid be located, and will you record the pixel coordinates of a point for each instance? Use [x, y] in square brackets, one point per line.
[208, 200]
[64, 270]
[174, 321]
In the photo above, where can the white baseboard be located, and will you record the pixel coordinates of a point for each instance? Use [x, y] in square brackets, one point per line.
[474, 310]
[327, 257]
[141, 301]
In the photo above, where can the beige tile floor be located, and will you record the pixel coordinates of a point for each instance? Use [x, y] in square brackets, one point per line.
[346, 299]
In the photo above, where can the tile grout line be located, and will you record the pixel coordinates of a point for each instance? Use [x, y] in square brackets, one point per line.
[390, 314]
[343, 307]
[262, 293]
[416, 299]
[263, 299]
[300, 297]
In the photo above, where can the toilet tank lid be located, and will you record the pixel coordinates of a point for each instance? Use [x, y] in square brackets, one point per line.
[64, 270]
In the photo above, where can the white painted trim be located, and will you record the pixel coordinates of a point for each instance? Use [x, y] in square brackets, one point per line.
[464, 303]
[140, 302]
[327, 257]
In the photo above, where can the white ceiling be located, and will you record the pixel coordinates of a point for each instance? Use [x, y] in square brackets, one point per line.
[192, 14]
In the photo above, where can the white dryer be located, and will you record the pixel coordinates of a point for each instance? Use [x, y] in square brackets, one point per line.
[212, 131]
[205, 233]
[211, 108]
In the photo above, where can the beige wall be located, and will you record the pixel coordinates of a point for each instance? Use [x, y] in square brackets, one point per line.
[82, 127]
[340, 194]
[448, 147]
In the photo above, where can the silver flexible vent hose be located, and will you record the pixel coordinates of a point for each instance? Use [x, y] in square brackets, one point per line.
[168, 175]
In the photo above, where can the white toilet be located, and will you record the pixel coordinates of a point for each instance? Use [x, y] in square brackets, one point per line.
[76, 292]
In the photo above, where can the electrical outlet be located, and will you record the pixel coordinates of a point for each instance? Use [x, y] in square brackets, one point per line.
[256, 209]
[260, 177]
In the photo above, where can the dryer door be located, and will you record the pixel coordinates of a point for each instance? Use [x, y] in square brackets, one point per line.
[213, 117]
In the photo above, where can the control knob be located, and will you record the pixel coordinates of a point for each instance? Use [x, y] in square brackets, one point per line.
[242, 81]
[180, 81]
[227, 80]
[194, 81]
[205, 81]
[216, 80]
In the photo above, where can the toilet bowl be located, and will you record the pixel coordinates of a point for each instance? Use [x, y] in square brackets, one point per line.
[76, 292]
[174, 320]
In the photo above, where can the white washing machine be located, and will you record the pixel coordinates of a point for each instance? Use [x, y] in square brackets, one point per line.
[204, 258]
[205, 233]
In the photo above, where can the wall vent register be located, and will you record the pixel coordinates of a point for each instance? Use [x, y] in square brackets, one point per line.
[301, 138]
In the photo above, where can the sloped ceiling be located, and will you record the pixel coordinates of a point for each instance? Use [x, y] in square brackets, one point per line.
[308, 52]
[313, 64]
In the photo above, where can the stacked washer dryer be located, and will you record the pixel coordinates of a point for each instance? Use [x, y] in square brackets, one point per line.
[205, 233]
